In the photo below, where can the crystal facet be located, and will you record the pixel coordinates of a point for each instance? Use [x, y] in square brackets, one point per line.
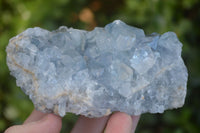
[93, 73]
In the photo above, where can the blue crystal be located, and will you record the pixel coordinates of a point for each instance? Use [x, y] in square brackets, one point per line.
[93, 73]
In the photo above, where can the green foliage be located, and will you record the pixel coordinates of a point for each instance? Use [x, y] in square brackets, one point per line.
[182, 17]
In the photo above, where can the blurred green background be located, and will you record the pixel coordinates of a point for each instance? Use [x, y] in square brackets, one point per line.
[180, 16]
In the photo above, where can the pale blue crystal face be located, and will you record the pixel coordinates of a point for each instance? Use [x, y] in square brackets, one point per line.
[93, 73]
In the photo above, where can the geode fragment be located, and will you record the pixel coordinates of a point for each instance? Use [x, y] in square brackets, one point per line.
[93, 73]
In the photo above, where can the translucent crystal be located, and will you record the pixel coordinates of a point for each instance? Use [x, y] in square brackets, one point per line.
[93, 73]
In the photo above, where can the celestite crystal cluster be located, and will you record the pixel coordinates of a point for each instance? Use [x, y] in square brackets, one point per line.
[93, 73]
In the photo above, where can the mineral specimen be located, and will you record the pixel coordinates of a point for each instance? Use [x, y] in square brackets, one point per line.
[93, 73]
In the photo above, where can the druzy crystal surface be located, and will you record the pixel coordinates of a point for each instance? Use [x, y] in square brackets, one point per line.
[93, 73]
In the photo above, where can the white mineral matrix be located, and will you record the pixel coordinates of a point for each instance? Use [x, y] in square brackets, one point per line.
[94, 73]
